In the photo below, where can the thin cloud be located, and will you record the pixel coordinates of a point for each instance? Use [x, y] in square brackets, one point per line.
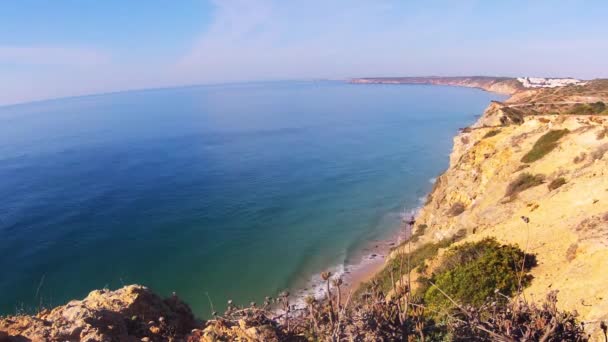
[51, 55]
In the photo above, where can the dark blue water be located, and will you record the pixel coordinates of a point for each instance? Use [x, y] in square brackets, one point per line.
[237, 191]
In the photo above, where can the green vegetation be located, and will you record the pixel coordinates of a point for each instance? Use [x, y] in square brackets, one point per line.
[418, 233]
[512, 115]
[544, 145]
[524, 181]
[472, 272]
[556, 183]
[396, 267]
[598, 107]
[588, 108]
[491, 133]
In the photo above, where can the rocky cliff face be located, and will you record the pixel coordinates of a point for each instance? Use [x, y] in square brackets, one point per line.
[566, 200]
[132, 313]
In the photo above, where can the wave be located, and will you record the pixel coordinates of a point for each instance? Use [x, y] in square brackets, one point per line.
[375, 251]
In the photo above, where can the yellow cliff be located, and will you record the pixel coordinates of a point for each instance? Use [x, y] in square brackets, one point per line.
[488, 191]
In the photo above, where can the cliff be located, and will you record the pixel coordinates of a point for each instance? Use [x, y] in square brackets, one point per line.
[530, 160]
[503, 85]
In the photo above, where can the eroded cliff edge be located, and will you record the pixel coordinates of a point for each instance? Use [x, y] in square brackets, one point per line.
[497, 179]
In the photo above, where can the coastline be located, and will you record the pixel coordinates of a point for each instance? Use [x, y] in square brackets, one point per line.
[381, 249]
[369, 260]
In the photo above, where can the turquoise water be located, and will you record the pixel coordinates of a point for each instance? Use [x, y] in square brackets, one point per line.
[238, 191]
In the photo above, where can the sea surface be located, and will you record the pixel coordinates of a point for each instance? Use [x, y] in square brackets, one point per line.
[213, 192]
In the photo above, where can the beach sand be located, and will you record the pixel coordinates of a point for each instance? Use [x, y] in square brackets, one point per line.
[374, 259]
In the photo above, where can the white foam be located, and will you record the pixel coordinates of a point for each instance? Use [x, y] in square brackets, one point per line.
[317, 286]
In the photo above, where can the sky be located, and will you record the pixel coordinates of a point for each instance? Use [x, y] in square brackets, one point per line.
[60, 48]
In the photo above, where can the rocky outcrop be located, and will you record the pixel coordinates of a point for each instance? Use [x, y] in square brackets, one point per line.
[132, 313]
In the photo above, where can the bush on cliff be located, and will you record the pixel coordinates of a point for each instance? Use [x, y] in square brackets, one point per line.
[588, 108]
[524, 181]
[556, 183]
[544, 145]
[398, 266]
[491, 133]
[471, 273]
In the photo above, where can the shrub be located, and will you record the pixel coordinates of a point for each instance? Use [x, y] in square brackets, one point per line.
[456, 209]
[470, 273]
[512, 115]
[571, 252]
[544, 145]
[491, 133]
[598, 107]
[556, 183]
[398, 266]
[581, 157]
[524, 181]
[588, 108]
[418, 233]
[599, 152]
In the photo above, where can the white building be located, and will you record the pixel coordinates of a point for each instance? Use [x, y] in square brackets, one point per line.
[540, 82]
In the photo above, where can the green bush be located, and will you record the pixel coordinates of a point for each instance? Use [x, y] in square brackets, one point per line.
[491, 133]
[598, 107]
[418, 233]
[472, 272]
[398, 266]
[581, 109]
[556, 183]
[588, 108]
[544, 145]
[524, 181]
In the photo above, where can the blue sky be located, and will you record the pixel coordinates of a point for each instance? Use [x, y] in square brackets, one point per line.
[63, 48]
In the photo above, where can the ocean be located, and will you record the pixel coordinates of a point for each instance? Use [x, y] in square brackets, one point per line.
[215, 192]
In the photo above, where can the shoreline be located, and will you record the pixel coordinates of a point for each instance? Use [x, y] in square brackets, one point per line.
[382, 248]
[371, 259]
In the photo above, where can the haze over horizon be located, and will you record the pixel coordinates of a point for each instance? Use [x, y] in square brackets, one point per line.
[70, 48]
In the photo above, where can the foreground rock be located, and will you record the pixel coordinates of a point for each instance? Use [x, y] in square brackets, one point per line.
[132, 313]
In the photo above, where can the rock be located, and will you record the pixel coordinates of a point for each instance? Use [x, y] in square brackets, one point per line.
[104, 315]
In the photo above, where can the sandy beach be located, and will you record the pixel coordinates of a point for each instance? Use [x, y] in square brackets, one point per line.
[373, 260]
